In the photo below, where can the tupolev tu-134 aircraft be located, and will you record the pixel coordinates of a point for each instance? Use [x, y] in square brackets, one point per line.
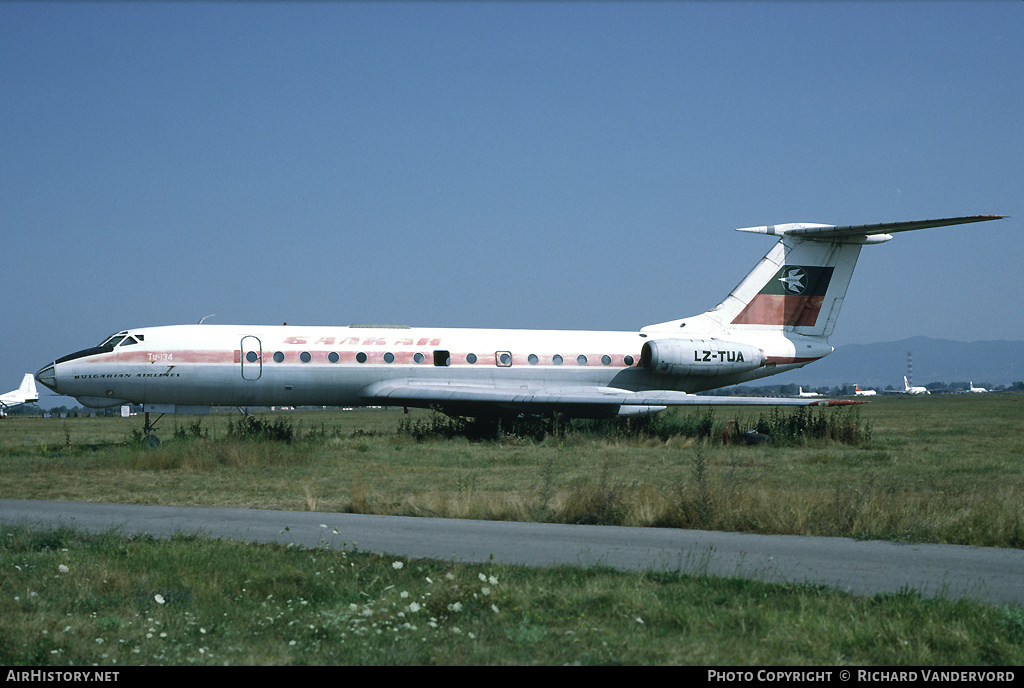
[779, 318]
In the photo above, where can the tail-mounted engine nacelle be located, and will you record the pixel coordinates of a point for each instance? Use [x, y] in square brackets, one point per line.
[699, 357]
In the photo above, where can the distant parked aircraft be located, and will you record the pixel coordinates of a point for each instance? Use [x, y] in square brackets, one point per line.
[907, 389]
[912, 390]
[863, 392]
[801, 393]
[25, 394]
[976, 390]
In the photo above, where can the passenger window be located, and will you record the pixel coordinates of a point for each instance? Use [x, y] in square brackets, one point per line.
[361, 357]
[470, 358]
[305, 357]
[606, 360]
[442, 358]
[581, 360]
[503, 359]
[389, 357]
[333, 357]
[556, 359]
[278, 357]
[532, 358]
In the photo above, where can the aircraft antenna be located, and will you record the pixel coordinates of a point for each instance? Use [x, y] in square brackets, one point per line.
[205, 317]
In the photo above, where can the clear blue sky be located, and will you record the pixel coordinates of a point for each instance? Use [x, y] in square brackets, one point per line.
[537, 164]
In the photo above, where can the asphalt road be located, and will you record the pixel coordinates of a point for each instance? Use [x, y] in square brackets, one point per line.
[985, 574]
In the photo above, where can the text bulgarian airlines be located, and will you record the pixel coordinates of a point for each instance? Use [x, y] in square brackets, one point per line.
[101, 376]
[358, 341]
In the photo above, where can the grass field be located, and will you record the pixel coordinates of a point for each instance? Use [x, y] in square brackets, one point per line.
[938, 469]
[947, 469]
[106, 600]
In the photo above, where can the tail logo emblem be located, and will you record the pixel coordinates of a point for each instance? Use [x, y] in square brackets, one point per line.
[792, 297]
[794, 280]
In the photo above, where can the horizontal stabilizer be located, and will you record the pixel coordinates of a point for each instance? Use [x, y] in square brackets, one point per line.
[830, 232]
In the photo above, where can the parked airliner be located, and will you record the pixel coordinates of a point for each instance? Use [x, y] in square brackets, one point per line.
[25, 394]
[857, 391]
[778, 318]
[907, 389]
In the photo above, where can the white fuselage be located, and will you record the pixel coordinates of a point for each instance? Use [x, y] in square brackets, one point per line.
[224, 365]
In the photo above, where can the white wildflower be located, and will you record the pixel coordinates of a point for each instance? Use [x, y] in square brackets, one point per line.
[493, 580]
[63, 569]
[159, 599]
[397, 565]
[414, 607]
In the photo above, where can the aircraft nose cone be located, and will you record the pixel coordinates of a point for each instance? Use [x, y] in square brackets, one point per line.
[47, 377]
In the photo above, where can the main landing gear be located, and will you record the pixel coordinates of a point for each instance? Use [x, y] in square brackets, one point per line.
[149, 440]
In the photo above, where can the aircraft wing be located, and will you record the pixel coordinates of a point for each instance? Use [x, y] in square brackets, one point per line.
[602, 400]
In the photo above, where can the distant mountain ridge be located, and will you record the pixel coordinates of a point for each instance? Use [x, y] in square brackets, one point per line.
[934, 360]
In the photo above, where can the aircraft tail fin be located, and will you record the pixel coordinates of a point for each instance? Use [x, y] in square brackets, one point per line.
[27, 390]
[800, 284]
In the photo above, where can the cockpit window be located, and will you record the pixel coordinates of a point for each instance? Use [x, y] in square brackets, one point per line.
[122, 339]
[113, 340]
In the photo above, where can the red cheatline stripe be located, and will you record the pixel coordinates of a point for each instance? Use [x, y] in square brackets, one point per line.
[372, 356]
